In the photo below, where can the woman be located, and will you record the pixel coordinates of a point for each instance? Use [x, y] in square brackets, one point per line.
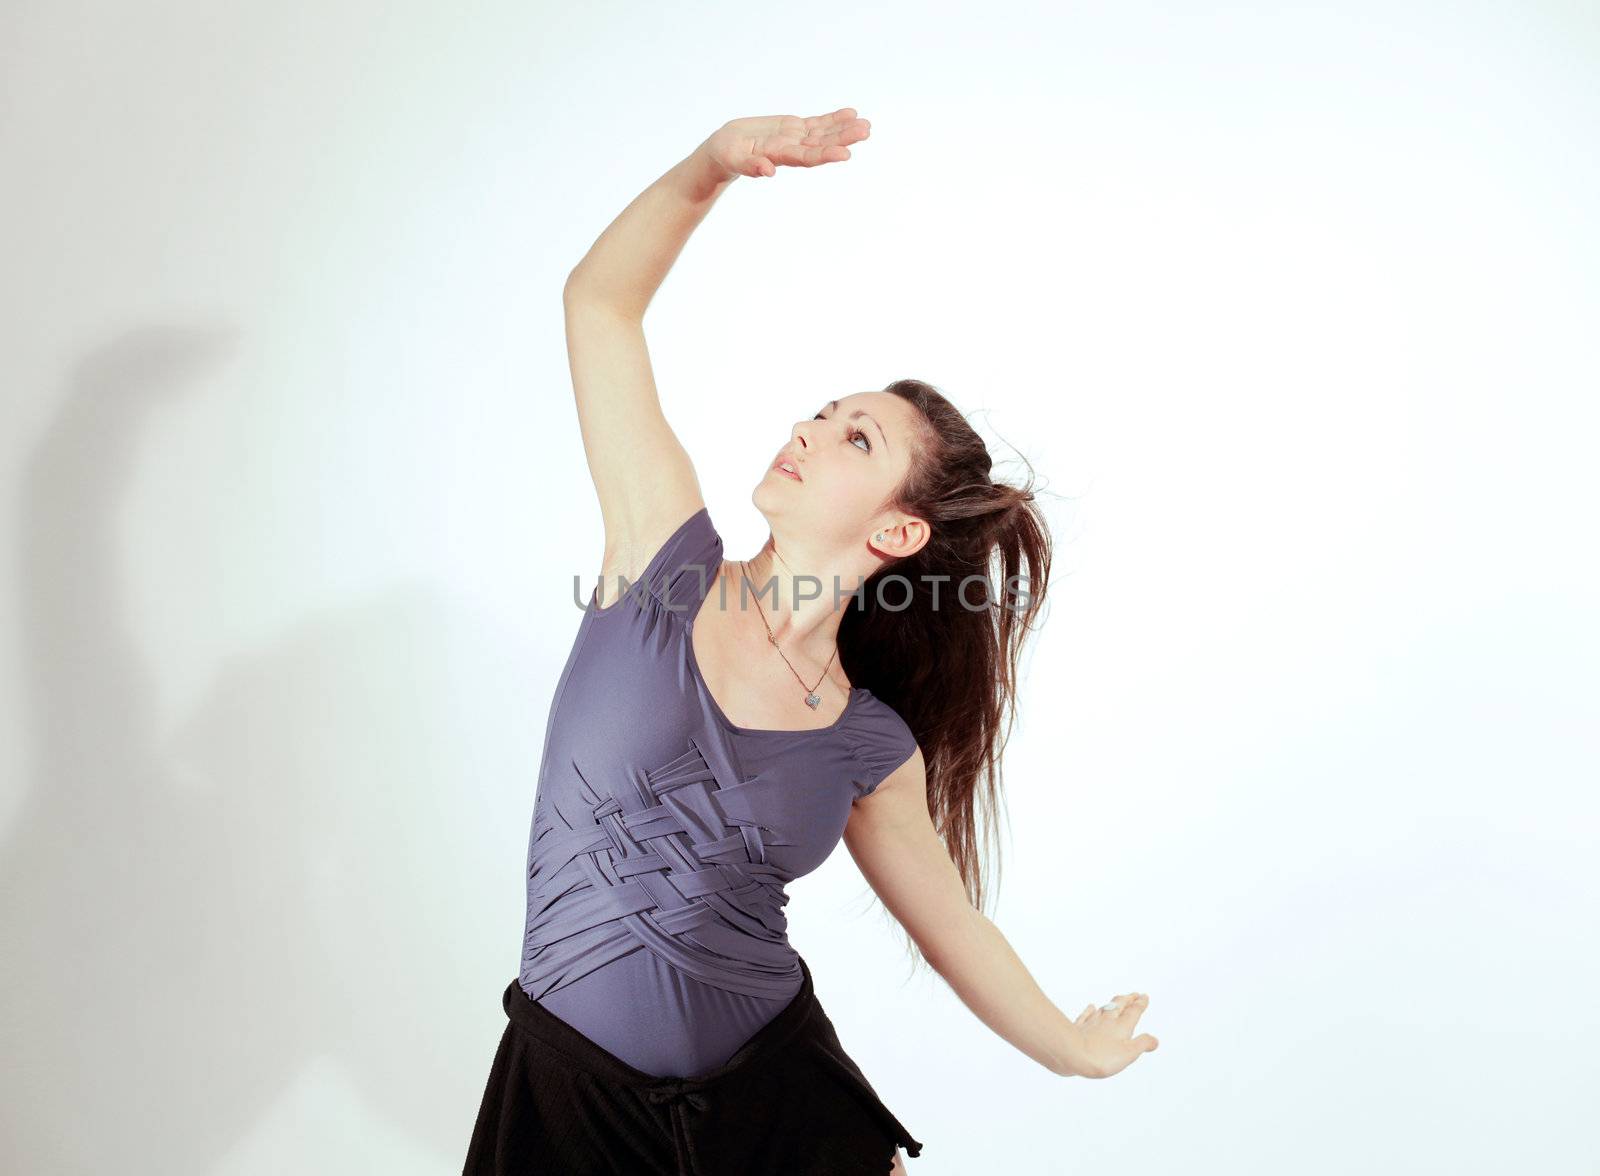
[719, 725]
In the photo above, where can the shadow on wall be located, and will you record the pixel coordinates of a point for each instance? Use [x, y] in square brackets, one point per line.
[301, 874]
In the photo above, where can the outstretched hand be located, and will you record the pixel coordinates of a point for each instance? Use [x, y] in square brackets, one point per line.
[1109, 1046]
[759, 146]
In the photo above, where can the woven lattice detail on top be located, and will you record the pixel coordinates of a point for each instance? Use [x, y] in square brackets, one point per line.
[680, 870]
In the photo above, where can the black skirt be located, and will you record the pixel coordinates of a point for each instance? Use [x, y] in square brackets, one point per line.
[789, 1102]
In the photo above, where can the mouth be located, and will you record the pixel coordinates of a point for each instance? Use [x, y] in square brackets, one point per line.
[787, 468]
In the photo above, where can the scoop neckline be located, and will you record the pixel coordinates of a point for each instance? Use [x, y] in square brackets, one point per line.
[694, 666]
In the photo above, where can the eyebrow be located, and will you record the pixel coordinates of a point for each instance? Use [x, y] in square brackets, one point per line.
[861, 412]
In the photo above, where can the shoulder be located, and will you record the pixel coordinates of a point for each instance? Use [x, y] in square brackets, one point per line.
[879, 739]
[681, 558]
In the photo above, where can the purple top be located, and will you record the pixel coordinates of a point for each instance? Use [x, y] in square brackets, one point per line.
[663, 835]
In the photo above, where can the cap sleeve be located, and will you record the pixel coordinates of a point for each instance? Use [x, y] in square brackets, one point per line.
[881, 741]
[680, 574]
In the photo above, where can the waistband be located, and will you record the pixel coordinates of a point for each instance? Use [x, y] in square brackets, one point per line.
[534, 1019]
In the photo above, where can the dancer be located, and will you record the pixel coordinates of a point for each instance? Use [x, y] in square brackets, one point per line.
[721, 724]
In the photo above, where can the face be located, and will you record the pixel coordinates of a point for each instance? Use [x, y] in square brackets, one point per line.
[848, 458]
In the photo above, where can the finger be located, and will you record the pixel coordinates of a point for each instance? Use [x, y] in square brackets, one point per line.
[823, 122]
[1146, 1042]
[803, 156]
[1087, 1009]
[842, 135]
[812, 156]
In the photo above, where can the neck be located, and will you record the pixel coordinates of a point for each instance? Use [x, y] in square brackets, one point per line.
[780, 589]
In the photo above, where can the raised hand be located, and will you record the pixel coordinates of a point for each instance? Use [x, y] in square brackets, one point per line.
[759, 146]
[1109, 1045]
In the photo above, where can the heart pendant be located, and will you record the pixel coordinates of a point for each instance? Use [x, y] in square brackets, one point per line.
[813, 700]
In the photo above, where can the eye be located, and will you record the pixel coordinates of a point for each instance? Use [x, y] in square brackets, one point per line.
[852, 434]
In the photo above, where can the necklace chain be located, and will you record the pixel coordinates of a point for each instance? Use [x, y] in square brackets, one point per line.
[813, 699]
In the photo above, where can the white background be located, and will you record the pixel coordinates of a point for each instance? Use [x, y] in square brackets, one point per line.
[1293, 309]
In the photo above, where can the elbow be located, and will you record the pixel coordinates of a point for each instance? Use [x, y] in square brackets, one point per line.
[578, 281]
[583, 292]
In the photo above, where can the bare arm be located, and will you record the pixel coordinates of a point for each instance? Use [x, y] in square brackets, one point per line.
[893, 841]
[628, 262]
[642, 473]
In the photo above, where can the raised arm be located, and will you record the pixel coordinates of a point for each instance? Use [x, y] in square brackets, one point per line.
[642, 473]
[892, 839]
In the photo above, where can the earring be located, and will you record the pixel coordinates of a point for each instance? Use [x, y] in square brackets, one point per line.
[879, 536]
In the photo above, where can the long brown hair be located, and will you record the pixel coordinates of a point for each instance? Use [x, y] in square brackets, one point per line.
[946, 658]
